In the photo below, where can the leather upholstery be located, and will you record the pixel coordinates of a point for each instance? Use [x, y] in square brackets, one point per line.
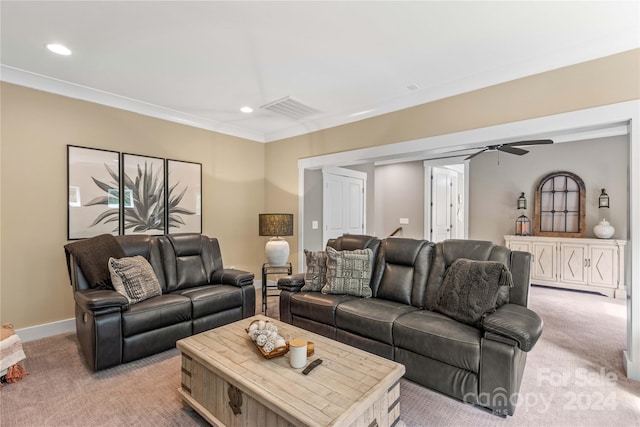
[370, 317]
[155, 313]
[436, 375]
[438, 337]
[207, 299]
[476, 365]
[366, 344]
[188, 260]
[516, 322]
[403, 266]
[198, 294]
[317, 306]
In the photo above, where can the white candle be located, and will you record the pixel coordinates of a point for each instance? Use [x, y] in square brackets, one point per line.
[298, 353]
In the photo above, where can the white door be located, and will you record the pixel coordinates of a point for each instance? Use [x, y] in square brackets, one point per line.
[343, 202]
[443, 193]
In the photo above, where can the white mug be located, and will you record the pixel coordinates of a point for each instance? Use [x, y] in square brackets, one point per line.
[298, 353]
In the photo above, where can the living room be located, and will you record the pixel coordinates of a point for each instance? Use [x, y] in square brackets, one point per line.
[243, 177]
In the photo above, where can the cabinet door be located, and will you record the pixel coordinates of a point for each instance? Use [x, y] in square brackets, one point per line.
[603, 269]
[573, 263]
[544, 262]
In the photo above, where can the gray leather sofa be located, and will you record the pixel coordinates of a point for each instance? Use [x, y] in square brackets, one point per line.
[478, 365]
[198, 294]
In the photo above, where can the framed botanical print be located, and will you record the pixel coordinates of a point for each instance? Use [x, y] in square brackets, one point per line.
[93, 189]
[184, 197]
[144, 202]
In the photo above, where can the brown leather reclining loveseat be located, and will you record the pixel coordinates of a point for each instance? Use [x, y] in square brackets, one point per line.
[480, 364]
[198, 294]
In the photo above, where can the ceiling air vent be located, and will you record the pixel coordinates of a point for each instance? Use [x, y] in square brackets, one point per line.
[291, 108]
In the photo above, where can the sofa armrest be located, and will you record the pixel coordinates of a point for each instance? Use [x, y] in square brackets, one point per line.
[515, 322]
[96, 299]
[231, 276]
[291, 283]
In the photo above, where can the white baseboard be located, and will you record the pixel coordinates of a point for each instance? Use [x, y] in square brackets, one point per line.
[46, 330]
[65, 326]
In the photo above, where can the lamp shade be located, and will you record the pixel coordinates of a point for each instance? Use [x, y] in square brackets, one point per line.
[275, 224]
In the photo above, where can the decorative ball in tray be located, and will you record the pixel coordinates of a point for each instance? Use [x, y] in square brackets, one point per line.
[264, 335]
[266, 338]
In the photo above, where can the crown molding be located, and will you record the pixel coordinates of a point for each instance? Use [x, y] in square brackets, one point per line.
[626, 39]
[71, 90]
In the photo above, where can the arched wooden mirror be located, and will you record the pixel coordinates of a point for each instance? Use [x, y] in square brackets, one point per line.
[560, 206]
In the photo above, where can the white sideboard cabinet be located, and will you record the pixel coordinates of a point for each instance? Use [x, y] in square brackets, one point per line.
[595, 265]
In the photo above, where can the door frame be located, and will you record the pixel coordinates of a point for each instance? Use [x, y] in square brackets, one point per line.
[349, 173]
[428, 166]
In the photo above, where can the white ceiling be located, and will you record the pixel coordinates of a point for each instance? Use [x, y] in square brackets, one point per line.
[199, 62]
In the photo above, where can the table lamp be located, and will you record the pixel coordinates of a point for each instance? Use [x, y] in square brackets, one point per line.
[276, 225]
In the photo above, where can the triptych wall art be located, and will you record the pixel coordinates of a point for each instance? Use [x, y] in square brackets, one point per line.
[122, 193]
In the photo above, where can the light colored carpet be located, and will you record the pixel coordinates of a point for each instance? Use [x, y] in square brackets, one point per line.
[574, 376]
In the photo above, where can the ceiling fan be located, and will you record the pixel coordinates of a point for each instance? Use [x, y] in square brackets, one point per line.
[511, 147]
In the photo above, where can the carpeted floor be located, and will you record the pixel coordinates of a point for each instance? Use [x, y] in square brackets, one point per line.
[574, 376]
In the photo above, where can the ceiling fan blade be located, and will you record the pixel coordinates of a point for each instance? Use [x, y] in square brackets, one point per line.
[512, 150]
[475, 154]
[532, 142]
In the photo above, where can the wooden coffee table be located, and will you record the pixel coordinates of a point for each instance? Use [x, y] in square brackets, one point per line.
[227, 381]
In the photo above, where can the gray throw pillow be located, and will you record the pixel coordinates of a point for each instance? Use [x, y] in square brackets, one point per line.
[134, 278]
[470, 289]
[315, 277]
[349, 272]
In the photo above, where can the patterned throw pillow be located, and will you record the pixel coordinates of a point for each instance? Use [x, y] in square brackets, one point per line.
[316, 275]
[349, 272]
[134, 278]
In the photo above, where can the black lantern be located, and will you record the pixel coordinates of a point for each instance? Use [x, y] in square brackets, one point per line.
[523, 224]
[603, 200]
[522, 202]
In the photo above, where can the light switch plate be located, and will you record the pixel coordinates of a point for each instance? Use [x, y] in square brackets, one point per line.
[404, 220]
[314, 225]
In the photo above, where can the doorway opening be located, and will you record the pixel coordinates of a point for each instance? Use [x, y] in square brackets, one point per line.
[445, 201]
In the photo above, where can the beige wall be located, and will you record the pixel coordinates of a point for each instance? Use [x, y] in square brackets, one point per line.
[37, 126]
[603, 81]
[494, 188]
[240, 178]
[399, 193]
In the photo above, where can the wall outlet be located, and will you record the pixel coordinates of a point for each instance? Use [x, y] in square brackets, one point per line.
[314, 225]
[404, 220]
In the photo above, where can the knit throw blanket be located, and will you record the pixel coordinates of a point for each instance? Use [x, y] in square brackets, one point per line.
[92, 255]
[470, 289]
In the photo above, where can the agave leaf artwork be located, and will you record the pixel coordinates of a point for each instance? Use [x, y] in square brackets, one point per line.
[147, 190]
[174, 210]
[109, 215]
[144, 201]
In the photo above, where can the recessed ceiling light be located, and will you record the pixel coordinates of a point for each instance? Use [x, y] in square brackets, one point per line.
[59, 49]
[246, 110]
